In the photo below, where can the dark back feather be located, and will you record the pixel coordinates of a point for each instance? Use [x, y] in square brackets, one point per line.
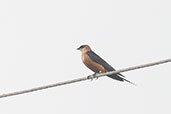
[99, 60]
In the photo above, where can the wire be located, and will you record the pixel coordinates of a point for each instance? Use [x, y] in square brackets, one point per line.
[84, 78]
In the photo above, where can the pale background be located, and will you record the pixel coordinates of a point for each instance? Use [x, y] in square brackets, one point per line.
[38, 41]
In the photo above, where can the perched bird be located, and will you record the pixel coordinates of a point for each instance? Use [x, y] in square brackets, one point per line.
[97, 64]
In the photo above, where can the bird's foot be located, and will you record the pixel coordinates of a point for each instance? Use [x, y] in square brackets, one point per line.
[95, 76]
[92, 76]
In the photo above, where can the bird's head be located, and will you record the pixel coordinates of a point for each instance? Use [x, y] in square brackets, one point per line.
[84, 48]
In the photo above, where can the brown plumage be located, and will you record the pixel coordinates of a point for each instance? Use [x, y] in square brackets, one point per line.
[97, 64]
[91, 64]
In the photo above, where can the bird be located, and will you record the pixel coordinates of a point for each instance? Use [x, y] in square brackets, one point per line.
[95, 63]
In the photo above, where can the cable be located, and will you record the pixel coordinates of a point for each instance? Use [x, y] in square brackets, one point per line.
[83, 79]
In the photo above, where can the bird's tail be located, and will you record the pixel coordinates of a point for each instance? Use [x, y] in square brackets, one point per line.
[129, 81]
[119, 78]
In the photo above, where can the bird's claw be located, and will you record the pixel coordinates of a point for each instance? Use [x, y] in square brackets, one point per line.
[95, 76]
[92, 77]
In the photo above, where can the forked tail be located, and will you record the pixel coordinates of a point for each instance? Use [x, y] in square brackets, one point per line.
[129, 81]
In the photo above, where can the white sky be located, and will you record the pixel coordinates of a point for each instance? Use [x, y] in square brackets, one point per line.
[38, 41]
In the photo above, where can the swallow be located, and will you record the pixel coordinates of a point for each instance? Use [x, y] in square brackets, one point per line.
[97, 64]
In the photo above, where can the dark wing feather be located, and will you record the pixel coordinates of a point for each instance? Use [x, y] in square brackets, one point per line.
[100, 61]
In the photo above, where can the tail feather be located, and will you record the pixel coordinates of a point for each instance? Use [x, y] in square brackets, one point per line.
[117, 77]
[129, 81]
[121, 75]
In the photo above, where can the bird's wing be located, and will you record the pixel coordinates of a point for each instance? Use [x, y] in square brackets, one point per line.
[100, 61]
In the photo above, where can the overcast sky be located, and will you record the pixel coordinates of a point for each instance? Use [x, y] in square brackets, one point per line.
[38, 41]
